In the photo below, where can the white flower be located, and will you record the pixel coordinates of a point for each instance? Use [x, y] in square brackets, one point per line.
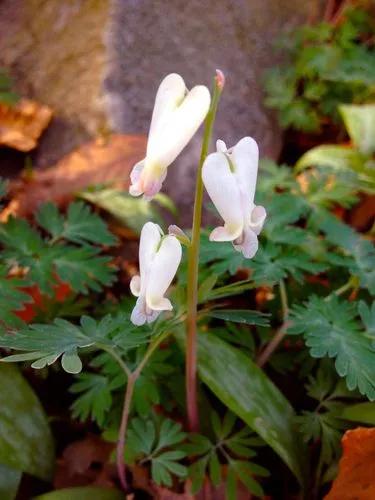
[159, 258]
[176, 117]
[230, 177]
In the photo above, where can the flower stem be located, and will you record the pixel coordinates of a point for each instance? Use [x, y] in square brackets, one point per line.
[280, 334]
[193, 264]
[122, 431]
[132, 377]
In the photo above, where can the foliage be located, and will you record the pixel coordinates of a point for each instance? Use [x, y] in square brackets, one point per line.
[230, 446]
[26, 443]
[324, 424]
[7, 94]
[360, 124]
[330, 328]
[330, 64]
[67, 253]
[44, 344]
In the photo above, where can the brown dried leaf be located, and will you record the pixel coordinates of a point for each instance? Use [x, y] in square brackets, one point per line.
[84, 463]
[356, 478]
[98, 162]
[21, 125]
[362, 216]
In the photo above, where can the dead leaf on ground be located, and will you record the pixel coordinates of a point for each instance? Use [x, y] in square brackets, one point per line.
[98, 162]
[356, 478]
[362, 216]
[22, 124]
[85, 462]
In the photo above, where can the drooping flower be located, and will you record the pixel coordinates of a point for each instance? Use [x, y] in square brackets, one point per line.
[230, 177]
[159, 258]
[177, 115]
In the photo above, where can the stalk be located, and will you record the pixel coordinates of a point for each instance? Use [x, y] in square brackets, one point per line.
[193, 265]
[132, 377]
[280, 334]
[122, 431]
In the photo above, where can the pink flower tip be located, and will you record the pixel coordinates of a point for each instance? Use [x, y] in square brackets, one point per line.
[220, 79]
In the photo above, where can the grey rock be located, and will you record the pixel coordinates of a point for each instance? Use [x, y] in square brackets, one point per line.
[148, 39]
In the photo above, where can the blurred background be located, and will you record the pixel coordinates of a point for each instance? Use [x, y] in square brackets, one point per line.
[96, 65]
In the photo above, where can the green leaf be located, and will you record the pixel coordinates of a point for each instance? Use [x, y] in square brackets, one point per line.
[330, 329]
[197, 473]
[94, 401]
[4, 185]
[337, 157]
[80, 226]
[133, 212]
[367, 314]
[245, 475]
[231, 485]
[245, 389]
[70, 361]
[25, 438]
[360, 124]
[206, 288]
[169, 434]
[11, 299]
[244, 316]
[360, 250]
[215, 470]
[7, 95]
[155, 440]
[9, 482]
[81, 267]
[83, 493]
[47, 342]
[363, 413]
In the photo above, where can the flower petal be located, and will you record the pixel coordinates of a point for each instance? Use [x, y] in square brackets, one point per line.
[257, 218]
[135, 188]
[150, 238]
[138, 315]
[169, 140]
[223, 190]
[141, 314]
[245, 156]
[249, 244]
[169, 96]
[221, 147]
[162, 272]
[135, 286]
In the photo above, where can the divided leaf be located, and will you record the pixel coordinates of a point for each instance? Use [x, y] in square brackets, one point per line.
[330, 329]
[80, 226]
[44, 344]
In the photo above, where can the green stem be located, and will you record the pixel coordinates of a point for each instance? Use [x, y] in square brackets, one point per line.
[120, 448]
[150, 350]
[284, 300]
[132, 378]
[193, 264]
[117, 358]
[351, 283]
[280, 334]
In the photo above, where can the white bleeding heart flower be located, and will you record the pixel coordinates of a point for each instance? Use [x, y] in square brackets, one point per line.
[177, 115]
[230, 177]
[159, 258]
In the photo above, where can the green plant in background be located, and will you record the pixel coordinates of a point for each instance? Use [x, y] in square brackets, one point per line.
[7, 95]
[330, 64]
[359, 157]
